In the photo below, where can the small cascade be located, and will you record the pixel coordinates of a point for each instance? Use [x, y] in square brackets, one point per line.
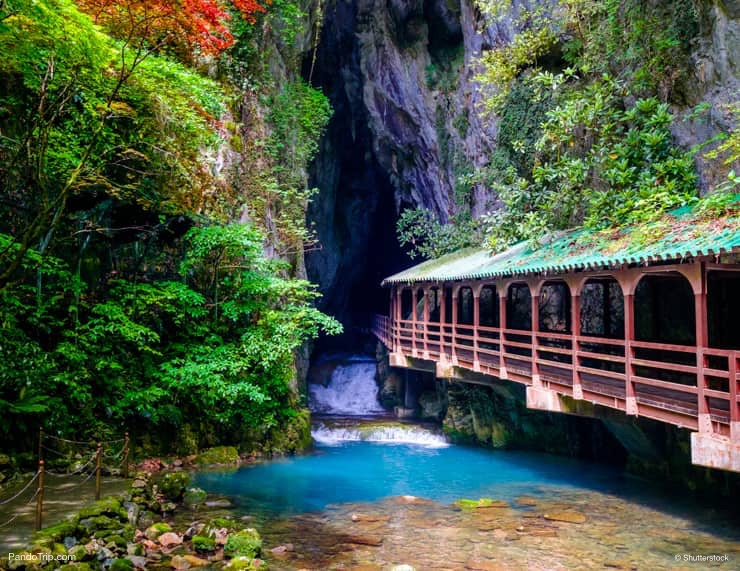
[351, 391]
[395, 433]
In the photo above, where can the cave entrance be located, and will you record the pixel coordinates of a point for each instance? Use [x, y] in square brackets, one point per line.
[354, 213]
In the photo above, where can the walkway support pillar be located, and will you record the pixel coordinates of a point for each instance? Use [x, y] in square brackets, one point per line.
[702, 342]
[575, 325]
[629, 337]
[453, 328]
[442, 310]
[476, 324]
[425, 315]
[413, 320]
[502, 290]
[734, 410]
[535, 301]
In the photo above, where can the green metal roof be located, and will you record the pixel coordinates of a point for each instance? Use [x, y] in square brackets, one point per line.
[677, 235]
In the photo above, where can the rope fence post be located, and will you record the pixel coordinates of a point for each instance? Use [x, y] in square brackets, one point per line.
[125, 455]
[98, 462]
[41, 443]
[40, 497]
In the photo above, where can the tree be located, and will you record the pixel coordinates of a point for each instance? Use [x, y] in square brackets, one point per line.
[189, 24]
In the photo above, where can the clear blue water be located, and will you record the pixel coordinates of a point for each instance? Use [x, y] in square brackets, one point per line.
[366, 471]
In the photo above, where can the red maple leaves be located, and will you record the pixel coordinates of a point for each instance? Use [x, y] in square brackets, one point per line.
[201, 24]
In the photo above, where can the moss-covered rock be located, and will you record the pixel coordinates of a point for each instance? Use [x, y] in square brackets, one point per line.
[245, 543]
[79, 553]
[480, 503]
[121, 565]
[108, 507]
[78, 566]
[218, 455]
[292, 436]
[244, 563]
[156, 529]
[173, 484]
[194, 496]
[203, 543]
[56, 532]
[101, 523]
[223, 522]
[116, 540]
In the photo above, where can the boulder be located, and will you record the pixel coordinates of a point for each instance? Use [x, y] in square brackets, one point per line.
[156, 529]
[243, 543]
[173, 484]
[169, 539]
[218, 455]
[204, 543]
[194, 496]
[121, 565]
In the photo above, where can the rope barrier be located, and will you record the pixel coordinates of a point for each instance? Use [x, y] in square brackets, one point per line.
[60, 454]
[77, 472]
[85, 481]
[16, 516]
[60, 439]
[115, 456]
[31, 481]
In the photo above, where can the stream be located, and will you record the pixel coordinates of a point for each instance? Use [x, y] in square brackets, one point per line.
[375, 493]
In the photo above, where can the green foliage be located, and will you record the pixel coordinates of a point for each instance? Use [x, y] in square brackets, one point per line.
[570, 152]
[218, 345]
[298, 115]
[595, 165]
[502, 66]
[244, 543]
[111, 315]
[420, 230]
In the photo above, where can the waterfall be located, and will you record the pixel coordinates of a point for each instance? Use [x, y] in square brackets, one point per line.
[395, 433]
[352, 390]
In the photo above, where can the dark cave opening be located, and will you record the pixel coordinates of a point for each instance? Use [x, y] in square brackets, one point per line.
[354, 214]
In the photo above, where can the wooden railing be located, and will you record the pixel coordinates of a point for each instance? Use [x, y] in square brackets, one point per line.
[677, 384]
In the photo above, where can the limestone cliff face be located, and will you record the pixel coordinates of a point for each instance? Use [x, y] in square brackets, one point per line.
[407, 127]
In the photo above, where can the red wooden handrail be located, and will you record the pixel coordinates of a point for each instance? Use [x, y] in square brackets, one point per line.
[601, 385]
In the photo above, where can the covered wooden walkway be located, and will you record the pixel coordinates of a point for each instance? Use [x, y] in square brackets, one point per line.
[653, 335]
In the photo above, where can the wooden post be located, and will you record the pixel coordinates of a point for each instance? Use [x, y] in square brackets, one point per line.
[41, 443]
[98, 465]
[40, 497]
[534, 297]
[575, 325]
[442, 317]
[503, 293]
[425, 317]
[453, 327]
[476, 324]
[125, 455]
[413, 320]
[702, 342]
[396, 319]
[629, 336]
[734, 413]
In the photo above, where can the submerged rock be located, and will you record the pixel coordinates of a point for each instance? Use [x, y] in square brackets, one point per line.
[373, 541]
[194, 496]
[481, 503]
[566, 516]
